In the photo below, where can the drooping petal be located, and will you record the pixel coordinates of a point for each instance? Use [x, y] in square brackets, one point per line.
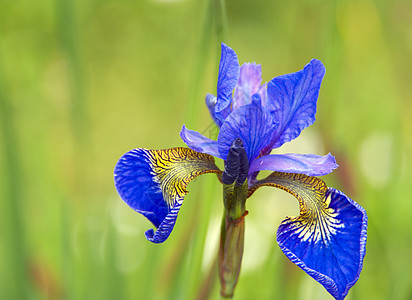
[292, 101]
[196, 141]
[252, 123]
[226, 82]
[249, 83]
[153, 183]
[308, 164]
[328, 239]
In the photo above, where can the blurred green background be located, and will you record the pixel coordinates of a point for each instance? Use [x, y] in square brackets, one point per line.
[82, 82]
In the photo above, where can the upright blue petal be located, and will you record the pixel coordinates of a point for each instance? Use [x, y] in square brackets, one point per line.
[308, 164]
[292, 101]
[153, 183]
[252, 123]
[226, 82]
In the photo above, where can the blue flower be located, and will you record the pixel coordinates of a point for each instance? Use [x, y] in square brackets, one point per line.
[263, 116]
[327, 240]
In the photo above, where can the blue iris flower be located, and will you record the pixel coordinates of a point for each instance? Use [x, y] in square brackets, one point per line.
[328, 239]
[263, 116]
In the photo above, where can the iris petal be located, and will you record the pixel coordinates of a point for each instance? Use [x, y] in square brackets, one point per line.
[249, 82]
[153, 183]
[252, 123]
[226, 81]
[292, 101]
[308, 164]
[211, 101]
[328, 239]
[196, 141]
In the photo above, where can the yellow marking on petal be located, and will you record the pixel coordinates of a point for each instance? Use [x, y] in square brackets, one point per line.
[174, 168]
[317, 220]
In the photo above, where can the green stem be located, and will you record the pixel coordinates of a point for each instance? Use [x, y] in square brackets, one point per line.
[13, 231]
[232, 237]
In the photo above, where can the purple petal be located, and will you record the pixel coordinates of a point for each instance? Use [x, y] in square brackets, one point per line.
[308, 164]
[252, 123]
[249, 83]
[292, 101]
[226, 81]
[195, 141]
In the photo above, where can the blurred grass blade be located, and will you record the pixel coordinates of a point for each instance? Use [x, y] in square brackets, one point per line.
[213, 22]
[68, 33]
[12, 198]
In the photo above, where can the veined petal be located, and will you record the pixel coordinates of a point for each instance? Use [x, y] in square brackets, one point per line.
[292, 101]
[196, 141]
[327, 240]
[153, 183]
[252, 123]
[308, 164]
[226, 82]
[249, 83]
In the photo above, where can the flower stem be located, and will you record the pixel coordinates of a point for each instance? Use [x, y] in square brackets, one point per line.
[232, 237]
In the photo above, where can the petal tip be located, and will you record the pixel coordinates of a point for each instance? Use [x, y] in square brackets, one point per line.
[318, 66]
[225, 47]
[149, 234]
[332, 159]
